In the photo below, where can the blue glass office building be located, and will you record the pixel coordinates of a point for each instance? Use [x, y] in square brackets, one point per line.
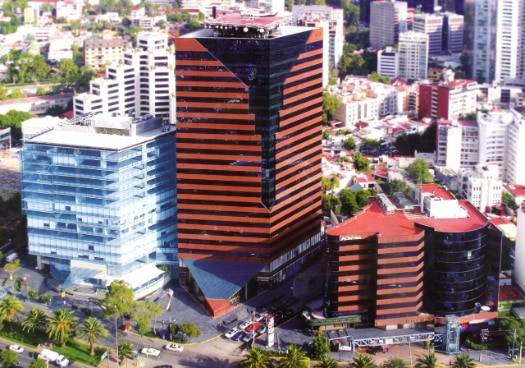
[100, 198]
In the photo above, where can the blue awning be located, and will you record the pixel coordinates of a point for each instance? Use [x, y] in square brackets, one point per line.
[221, 279]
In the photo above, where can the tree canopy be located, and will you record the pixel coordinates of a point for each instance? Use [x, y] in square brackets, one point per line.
[418, 172]
[330, 105]
[119, 299]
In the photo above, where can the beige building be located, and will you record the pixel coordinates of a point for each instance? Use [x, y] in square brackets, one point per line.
[98, 53]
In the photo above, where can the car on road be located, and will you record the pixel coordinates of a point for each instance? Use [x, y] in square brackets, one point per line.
[174, 347]
[243, 325]
[231, 333]
[150, 352]
[254, 326]
[16, 348]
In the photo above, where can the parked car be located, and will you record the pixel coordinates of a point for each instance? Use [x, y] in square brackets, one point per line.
[231, 333]
[150, 352]
[238, 336]
[254, 326]
[260, 330]
[260, 316]
[243, 325]
[16, 348]
[247, 337]
[174, 347]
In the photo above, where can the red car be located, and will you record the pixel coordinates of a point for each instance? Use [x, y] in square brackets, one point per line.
[254, 326]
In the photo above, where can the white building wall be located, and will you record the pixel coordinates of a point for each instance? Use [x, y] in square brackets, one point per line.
[413, 55]
[388, 62]
[515, 173]
[507, 36]
[518, 273]
[493, 139]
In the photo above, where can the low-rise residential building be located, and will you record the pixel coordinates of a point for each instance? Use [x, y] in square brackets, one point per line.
[36, 105]
[98, 53]
[517, 191]
[69, 9]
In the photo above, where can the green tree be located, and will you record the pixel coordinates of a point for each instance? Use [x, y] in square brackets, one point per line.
[38, 363]
[320, 346]
[119, 300]
[395, 362]
[397, 186]
[294, 359]
[13, 119]
[10, 306]
[349, 204]
[330, 202]
[189, 329]
[361, 164]
[327, 362]
[144, 312]
[329, 184]
[61, 326]
[4, 93]
[35, 321]
[69, 72]
[94, 331]
[463, 361]
[350, 144]
[16, 94]
[375, 77]
[418, 172]
[125, 350]
[8, 358]
[330, 105]
[256, 358]
[41, 91]
[362, 361]
[12, 267]
[508, 200]
[515, 330]
[55, 110]
[427, 361]
[368, 144]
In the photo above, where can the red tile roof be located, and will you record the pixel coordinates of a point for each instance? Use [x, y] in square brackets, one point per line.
[516, 190]
[437, 190]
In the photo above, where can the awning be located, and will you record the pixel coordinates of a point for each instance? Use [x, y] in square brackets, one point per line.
[221, 279]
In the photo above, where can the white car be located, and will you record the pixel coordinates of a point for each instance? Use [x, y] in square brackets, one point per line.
[150, 352]
[62, 361]
[16, 348]
[244, 324]
[174, 347]
[231, 333]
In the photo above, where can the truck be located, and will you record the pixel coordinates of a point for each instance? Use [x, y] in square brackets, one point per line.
[51, 356]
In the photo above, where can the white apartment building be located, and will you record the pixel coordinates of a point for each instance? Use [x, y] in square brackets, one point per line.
[516, 148]
[388, 62]
[413, 56]
[453, 28]
[388, 19]
[432, 25]
[498, 39]
[481, 186]
[518, 274]
[493, 130]
[328, 17]
[69, 9]
[362, 100]
[141, 84]
[457, 144]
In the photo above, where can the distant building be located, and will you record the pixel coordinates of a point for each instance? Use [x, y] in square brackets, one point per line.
[453, 33]
[457, 144]
[106, 209]
[329, 18]
[36, 105]
[447, 100]
[432, 25]
[69, 9]
[413, 55]
[99, 53]
[388, 62]
[139, 84]
[481, 186]
[387, 20]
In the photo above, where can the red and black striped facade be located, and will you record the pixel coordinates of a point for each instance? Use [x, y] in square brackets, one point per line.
[248, 144]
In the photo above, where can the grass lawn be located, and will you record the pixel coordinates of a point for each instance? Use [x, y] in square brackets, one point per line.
[75, 351]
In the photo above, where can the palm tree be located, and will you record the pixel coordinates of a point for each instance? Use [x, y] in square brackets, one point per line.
[362, 361]
[61, 326]
[395, 362]
[9, 307]
[327, 362]
[35, 321]
[427, 361]
[93, 330]
[125, 349]
[256, 358]
[463, 361]
[294, 359]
